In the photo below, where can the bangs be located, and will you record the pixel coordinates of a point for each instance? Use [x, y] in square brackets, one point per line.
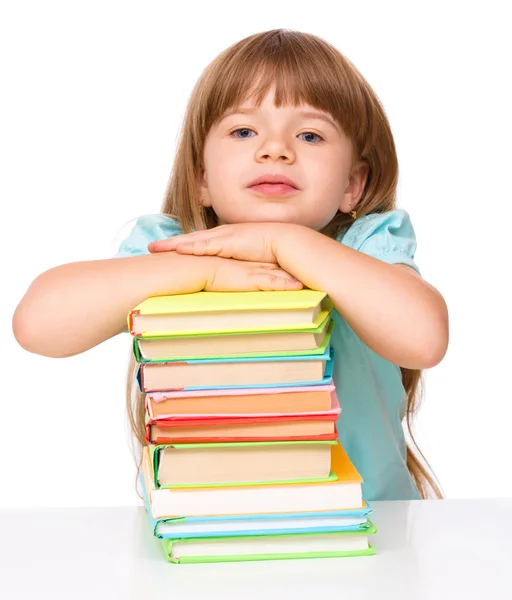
[302, 69]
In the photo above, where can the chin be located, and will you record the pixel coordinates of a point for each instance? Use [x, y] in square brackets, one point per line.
[271, 213]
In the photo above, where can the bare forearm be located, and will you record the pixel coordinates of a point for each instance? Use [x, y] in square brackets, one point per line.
[394, 312]
[76, 306]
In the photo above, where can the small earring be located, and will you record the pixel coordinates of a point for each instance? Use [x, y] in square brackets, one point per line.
[353, 213]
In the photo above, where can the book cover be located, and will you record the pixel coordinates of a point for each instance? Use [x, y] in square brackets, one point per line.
[216, 305]
[156, 458]
[241, 397]
[341, 493]
[257, 524]
[271, 547]
[320, 350]
[225, 435]
[242, 428]
[325, 380]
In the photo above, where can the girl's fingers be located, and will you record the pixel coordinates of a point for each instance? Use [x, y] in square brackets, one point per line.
[171, 243]
[282, 283]
[276, 279]
[201, 247]
[162, 245]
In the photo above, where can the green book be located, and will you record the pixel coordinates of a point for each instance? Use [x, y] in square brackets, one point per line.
[269, 547]
[229, 464]
[155, 350]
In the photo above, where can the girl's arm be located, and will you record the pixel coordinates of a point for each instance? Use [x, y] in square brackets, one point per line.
[390, 307]
[76, 306]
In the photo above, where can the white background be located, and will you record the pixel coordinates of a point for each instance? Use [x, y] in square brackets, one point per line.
[92, 101]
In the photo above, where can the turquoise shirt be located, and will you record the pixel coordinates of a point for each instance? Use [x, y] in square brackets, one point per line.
[369, 388]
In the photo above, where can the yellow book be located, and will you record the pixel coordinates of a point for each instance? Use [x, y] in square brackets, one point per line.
[344, 492]
[202, 313]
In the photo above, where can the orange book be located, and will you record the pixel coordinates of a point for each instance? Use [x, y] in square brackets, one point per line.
[237, 430]
[243, 428]
[240, 401]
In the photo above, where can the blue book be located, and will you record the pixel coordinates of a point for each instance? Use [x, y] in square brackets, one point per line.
[232, 373]
[258, 524]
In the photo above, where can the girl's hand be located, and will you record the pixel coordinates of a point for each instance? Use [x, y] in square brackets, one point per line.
[229, 275]
[244, 241]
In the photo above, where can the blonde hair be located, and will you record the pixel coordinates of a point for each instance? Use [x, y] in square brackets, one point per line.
[304, 69]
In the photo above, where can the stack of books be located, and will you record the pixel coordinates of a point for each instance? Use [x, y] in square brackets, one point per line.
[243, 460]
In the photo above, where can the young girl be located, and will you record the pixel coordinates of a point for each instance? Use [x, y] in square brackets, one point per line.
[285, 176]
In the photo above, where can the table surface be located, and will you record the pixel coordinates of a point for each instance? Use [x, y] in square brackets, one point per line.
[425, 550]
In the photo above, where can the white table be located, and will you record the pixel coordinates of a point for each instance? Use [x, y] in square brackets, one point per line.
[425, 550]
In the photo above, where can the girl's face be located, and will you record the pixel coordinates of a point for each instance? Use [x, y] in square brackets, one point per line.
[300, 143]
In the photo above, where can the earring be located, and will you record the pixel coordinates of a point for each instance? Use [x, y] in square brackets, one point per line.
[353, 213]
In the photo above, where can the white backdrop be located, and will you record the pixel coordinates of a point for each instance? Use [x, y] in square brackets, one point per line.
[93, 97]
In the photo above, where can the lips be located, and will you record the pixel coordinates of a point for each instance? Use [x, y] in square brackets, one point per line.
[270, 179]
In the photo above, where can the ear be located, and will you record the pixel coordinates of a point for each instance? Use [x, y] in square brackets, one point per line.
[355, 187]
[204, 196]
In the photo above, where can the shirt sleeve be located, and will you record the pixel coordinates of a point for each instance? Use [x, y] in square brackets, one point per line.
[387, 236]
[145, 230]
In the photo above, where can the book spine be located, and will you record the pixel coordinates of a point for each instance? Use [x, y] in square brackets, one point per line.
[130, 323]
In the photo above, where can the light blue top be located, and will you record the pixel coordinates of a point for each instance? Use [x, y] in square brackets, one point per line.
[369, 388]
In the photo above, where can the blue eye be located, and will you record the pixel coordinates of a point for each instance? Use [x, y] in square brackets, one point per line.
[243, 129]
[313, 134]
[246, 129]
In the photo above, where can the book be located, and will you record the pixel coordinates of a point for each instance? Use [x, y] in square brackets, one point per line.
[271, 547]
[272, 525]
[231, 402]
[224, 312]
[242, 428]
[257, 524]
[341, 493]
[230, 345]
[236, 430]
[241, 463]
[163, 410]
[231, 372]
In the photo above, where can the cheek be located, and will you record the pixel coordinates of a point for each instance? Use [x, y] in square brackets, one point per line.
[227, 175]
[327, 184]
[223, 186]
[332, 176]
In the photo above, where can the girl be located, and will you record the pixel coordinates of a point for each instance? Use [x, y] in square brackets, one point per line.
[285, 176]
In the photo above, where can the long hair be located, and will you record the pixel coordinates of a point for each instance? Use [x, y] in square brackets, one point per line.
[302, 68]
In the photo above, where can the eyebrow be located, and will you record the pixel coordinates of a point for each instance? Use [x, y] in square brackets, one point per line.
[303, 113]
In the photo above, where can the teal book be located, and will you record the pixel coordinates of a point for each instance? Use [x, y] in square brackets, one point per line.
[176, 528]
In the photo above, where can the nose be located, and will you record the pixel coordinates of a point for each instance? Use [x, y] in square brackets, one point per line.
[275, 148]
